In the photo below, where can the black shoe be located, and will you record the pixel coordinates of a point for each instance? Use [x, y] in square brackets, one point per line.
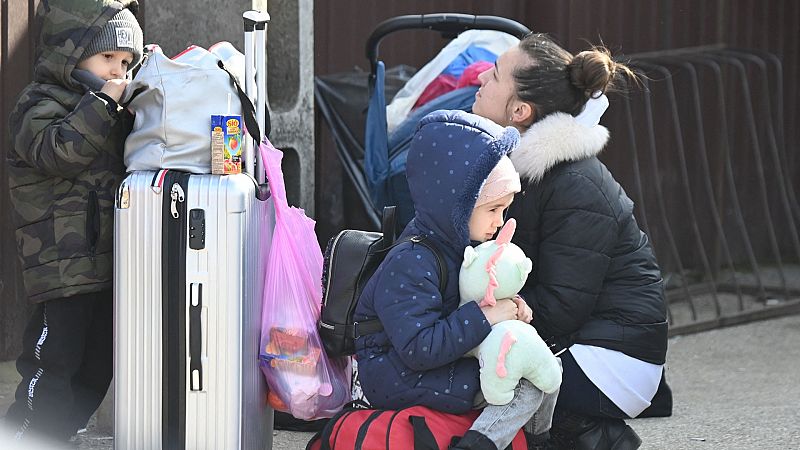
[611, 434]
[473, 440]
[586, 433]
[540, 441]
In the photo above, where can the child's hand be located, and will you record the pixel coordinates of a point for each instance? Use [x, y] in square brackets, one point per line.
[524, 312]
[115, 88]
[504, 309]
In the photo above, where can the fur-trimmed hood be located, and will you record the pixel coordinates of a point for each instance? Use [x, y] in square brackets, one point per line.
[557, 138]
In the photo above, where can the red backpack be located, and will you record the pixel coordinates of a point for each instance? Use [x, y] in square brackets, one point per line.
[376, 429]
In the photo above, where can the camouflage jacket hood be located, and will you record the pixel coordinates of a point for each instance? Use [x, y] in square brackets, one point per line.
[68, 26]
[65, 160]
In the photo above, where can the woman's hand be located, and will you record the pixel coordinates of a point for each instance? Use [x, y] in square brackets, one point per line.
[524, 312]
[505, 309]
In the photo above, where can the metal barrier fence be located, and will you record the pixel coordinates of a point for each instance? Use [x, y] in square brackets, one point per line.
[705, 139]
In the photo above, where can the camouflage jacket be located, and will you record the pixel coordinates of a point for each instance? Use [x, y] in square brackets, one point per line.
[65, 160]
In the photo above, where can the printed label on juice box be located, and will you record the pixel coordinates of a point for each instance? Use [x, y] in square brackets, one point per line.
[226, 144]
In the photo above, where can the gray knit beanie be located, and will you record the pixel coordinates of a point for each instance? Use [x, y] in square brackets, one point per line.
[121, 33]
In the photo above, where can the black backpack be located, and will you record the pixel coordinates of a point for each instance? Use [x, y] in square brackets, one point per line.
[351, 258]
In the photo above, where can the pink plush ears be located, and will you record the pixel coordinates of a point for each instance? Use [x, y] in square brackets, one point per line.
[507, 232]
[503, 239]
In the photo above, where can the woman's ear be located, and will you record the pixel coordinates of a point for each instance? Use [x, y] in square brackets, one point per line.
[522, 114]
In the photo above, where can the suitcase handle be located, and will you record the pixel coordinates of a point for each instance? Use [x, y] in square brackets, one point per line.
[195, 337]
[449, 25]
[255, 28]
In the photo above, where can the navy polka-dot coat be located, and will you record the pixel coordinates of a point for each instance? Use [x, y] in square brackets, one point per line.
[418, 357]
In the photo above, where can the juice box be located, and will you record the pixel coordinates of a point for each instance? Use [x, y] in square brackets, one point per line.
[226, 144]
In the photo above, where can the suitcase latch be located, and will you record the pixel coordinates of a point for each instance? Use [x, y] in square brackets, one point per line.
[197, 229]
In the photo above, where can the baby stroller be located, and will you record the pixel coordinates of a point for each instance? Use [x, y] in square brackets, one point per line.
[376, 161]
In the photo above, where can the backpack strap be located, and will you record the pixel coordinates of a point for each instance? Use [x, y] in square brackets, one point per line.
[439, 260]
[387, 224]
[423, 240]
[365, 327]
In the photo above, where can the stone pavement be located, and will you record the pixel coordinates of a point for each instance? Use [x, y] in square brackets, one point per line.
[734, 388]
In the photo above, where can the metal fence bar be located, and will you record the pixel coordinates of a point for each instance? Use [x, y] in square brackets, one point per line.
[687, 189]
[651, 146]
[767, 110]
[637, 173]
[790, 307]
[686, 63]
[786, 162]
[750, 128]
[716, 69]
[698, 82]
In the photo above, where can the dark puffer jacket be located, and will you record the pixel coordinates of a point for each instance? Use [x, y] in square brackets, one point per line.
[595, 279]
[66, 160]
[417, 358]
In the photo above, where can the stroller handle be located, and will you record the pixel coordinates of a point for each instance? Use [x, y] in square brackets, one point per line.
[449, 24]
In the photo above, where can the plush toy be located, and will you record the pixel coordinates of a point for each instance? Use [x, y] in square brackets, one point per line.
[513, 349]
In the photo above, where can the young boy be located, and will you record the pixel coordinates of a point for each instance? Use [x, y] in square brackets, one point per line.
[64, 166]
[461, 183]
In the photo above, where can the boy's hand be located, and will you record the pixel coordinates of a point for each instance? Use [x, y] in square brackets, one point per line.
[504, 309]
[524, 312]
[115, 88]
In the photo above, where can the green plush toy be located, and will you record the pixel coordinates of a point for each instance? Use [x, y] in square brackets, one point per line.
[513, 349]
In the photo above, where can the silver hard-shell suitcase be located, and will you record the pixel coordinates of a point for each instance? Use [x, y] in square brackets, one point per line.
[189, 279]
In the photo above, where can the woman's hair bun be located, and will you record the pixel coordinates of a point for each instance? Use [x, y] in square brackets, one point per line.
[592, 70]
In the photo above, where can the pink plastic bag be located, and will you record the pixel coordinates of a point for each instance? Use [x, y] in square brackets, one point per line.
[302, 380]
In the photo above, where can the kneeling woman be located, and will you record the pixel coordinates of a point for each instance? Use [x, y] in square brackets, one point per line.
[596, 290]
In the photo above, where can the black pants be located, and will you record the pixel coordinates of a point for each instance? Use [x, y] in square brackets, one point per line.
[578, 395]
[66, 366]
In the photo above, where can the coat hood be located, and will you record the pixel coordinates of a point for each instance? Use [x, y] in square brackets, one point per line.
[68, 26]
[450, 157]
[557, 138]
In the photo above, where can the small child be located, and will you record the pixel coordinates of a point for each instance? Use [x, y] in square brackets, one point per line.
[68, 134]
[461, 182]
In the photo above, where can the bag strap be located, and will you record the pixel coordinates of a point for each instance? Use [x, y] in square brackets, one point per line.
[248, 110]
[133, 96]
[326, 433]
[391, 424]
[387, 224]
[365, 327]
[364, 428]
[423, 436]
